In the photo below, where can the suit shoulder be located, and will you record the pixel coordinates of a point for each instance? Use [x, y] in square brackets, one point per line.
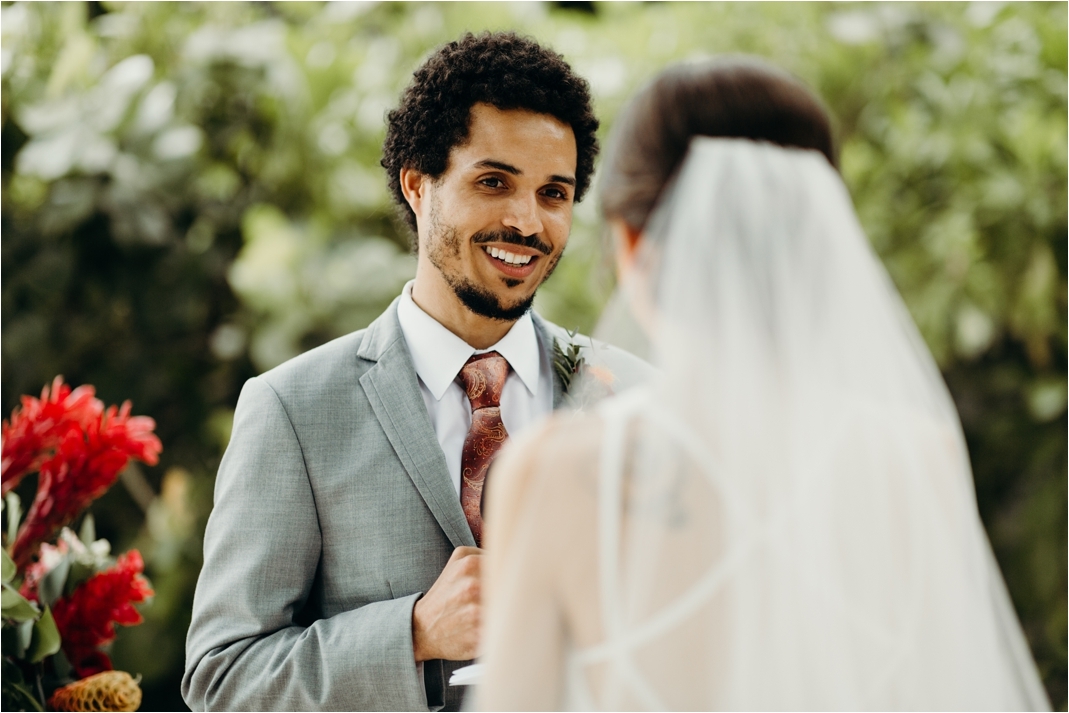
[627, 369]
[328, 363]
[615, 358]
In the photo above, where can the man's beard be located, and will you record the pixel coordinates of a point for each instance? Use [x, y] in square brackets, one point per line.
[475, 297]
[483, 302]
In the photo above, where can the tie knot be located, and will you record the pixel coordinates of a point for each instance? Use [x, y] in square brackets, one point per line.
[483, 378]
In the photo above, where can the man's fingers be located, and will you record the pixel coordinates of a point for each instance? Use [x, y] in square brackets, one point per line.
[448, 619]
[470, 566]
[464, 551]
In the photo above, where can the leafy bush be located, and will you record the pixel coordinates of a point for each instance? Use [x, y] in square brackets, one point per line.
[191, 195]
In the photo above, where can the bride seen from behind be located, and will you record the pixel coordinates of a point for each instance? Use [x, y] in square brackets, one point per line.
[786, 517]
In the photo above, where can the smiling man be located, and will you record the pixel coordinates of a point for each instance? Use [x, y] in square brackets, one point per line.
[341, 561]
[493, 225]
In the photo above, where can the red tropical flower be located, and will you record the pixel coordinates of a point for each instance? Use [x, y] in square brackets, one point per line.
[86, 619]
[86, 462]
[37, 428]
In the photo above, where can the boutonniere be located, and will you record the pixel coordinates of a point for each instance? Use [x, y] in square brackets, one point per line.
[566, 361]
[592, 383]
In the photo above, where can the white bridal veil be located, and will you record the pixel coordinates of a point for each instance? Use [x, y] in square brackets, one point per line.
[787, 518]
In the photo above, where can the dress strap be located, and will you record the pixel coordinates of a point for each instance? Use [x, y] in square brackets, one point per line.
[616, 412]
[620, 639]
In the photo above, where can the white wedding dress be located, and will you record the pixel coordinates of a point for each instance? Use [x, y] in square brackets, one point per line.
[786, 519]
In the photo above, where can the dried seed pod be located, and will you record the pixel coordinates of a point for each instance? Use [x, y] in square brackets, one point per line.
[104, 691]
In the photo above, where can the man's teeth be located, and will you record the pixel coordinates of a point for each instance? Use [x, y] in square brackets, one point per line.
[508, 257]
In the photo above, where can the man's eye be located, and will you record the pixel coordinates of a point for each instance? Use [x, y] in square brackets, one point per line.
[555, 193]
[492, 182]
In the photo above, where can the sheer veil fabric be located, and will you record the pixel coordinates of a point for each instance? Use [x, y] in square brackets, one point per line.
[786, 518]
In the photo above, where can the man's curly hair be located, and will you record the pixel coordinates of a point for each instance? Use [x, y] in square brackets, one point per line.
[501, 69]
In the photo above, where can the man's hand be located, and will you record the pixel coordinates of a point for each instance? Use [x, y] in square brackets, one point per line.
[445, 620]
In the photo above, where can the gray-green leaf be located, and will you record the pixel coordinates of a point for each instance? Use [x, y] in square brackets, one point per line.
[14, 516]
[17, 607]
[88, 531]
[25, 637]
[9, 568]
[46, 639]
[51, 586]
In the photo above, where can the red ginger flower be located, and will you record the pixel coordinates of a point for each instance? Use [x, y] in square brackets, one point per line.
[86, 619]
[85, 464]
[36, 429]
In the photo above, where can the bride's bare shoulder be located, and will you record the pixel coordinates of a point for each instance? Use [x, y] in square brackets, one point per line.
[572, 436]
[565, 446]
[560, 456]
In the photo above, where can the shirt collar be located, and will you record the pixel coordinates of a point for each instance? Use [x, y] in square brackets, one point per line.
[438, 355]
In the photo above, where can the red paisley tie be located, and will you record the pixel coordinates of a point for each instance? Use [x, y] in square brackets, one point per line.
[483, 378]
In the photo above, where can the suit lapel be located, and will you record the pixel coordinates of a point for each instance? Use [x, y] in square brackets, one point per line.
[546, 338]
[392, 388]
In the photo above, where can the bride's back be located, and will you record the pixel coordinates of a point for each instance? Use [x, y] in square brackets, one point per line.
[785, 518]
[551, 502]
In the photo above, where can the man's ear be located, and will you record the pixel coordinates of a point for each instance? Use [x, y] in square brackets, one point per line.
[413, 188]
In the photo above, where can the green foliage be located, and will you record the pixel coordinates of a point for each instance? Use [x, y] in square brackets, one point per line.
[16, 607]
[9, 568]
[35, 635]
[566, 361]
[45, 640]
[191, 195]
[30, 636]
[16, 691]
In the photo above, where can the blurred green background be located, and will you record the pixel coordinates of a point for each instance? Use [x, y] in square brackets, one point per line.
[191, 195]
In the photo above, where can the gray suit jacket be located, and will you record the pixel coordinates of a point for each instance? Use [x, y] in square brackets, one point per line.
[334, 511]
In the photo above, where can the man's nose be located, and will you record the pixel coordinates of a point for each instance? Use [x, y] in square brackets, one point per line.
[523, 215]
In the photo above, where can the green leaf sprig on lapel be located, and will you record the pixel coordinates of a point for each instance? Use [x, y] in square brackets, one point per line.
[583, 383]
[566, 361]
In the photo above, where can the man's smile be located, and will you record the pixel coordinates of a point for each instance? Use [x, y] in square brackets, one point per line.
[505, 199]
[512, 260]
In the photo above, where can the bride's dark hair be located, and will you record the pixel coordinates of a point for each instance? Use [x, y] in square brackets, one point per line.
[740, 97]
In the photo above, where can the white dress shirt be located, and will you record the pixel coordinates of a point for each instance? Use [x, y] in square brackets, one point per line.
[438, 356]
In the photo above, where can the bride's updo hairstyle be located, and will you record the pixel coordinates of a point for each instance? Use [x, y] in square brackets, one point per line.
[734, 97]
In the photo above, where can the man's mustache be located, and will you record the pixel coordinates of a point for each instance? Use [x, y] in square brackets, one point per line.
[504, 236]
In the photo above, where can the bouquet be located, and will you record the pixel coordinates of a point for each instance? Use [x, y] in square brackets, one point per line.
[64, 593]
